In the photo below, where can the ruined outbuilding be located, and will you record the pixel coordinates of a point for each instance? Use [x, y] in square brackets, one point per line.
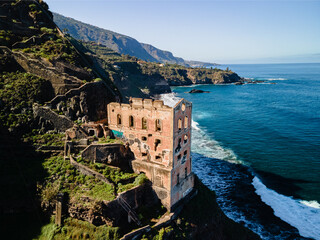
[160, 138]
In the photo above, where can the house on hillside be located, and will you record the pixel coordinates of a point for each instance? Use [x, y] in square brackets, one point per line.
[160, 138]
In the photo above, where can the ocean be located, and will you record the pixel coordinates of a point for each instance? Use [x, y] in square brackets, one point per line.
[258, 147]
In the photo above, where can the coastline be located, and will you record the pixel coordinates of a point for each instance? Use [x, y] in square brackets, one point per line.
[213, 164]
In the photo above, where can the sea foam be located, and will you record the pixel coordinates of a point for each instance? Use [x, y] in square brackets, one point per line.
[303, 215]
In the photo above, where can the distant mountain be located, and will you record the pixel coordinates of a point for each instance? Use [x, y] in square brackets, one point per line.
[120, 43]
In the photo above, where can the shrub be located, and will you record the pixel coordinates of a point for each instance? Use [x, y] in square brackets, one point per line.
[141, 179]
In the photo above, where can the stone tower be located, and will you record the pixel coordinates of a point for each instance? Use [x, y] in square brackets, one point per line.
[160, 138]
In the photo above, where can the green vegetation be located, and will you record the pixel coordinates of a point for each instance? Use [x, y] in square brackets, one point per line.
[18, 91]
[150, 215]
[140, 77]
[113, 174]
[139, 180]
[54, 49]
[6, 37]
[64, 177]
[109, 140]
[76, 229]
[178, 75]
[122, 181]
[47, 139]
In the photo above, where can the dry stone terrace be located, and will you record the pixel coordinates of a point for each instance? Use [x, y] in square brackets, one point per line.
[159, 136]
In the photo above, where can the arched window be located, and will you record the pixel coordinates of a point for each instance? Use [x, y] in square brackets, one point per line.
[118, 119]
[185, 139]
[183, 107]
[158, 125]
[186, 122]
[144, 123]
[131, 121]
[179, 124]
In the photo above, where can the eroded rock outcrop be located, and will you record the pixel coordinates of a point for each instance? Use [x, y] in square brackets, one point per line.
[89, 102]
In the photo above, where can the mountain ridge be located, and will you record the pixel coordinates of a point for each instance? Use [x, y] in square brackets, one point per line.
[121, 43]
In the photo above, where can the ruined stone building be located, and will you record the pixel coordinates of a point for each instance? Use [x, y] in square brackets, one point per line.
[159, 136]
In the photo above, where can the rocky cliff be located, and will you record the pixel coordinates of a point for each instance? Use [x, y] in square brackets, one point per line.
[120, 43]
[48, 83]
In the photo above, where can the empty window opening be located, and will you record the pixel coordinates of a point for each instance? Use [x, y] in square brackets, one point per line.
[185, 172]
[158, 125]
[179, 157]
[184, 158]
[157, 142]
[144, 138]
[178, 148]
[186, 122]
[119, 119]
[112, 110]
[131, 121]
[185, 139]
[178, 178]
[144, 154]
[183, 107]
[144, 123]
[158, 158]
[179, 124]
[91, 132]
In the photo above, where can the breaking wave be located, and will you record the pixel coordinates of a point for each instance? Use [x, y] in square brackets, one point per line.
[303, 215]
[273, 79]
[207, 154]
[203, 144]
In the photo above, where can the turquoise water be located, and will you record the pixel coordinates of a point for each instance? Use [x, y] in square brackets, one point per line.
[274, 129]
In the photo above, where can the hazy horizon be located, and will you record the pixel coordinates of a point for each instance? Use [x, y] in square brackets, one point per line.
[261, 31]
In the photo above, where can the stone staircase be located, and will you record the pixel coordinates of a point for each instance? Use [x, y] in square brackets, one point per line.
[131, 213]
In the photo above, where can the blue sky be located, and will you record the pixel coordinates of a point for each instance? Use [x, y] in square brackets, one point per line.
[226, 31]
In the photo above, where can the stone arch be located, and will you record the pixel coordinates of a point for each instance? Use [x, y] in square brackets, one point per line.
[144, 123]
[119, 120]
[131, 121]
[179, 124]
[186, 122]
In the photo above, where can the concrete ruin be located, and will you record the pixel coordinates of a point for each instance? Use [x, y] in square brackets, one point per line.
[160, 138]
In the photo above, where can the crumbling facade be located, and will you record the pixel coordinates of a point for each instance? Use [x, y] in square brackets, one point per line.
[160, 138]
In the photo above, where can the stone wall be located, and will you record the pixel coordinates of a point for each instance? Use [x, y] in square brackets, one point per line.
[147, 126]
[112, 154]
[88, 171]
[112, 213]
[61, 82]
[139, 196]
[180, 180]
[58, 122]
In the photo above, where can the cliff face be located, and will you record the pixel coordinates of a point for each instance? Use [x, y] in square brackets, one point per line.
[120, 43]
[125, 72]
[177, 75]
[76, 81]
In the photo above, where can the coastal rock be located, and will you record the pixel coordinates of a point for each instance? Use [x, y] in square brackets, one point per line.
[197, 91]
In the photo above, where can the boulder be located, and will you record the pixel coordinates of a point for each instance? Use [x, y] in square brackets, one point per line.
[197, 91]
